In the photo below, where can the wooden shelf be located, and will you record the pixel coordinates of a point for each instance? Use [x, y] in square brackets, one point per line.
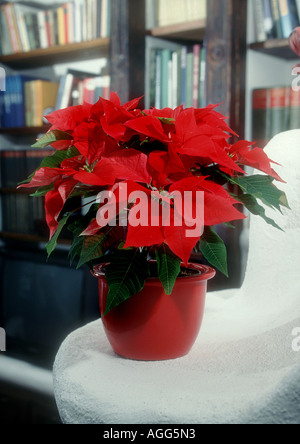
[32, 238]
[194, 30]
[10, 190]
[58, 54]
[26, 130]
[276, 48]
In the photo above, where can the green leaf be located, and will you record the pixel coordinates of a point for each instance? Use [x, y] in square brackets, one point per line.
[51, 137]
[91, 249]
[76, 249]
[126, 275]
[51, 245]
[53, 162]
[214, 250]
[58, 157]
[42, 191]
[260, 187]
[253, 206]
[168, 268]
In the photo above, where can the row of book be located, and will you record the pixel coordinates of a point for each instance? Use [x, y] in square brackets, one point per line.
[27, 99]
[170, 12]
[274, 110]
[175, 74]
[275, 18]
[78, 87]
[20, 213]
[27, 26]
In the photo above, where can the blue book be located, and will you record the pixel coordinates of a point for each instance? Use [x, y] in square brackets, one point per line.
[288, 16]
[12, 110]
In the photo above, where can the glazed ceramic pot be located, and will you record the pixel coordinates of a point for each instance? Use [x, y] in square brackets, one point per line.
[152, 326]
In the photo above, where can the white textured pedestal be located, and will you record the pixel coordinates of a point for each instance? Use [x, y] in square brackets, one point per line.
[242, 368]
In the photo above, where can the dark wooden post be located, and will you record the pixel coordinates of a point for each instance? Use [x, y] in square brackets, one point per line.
[226, 38]
[127, 48]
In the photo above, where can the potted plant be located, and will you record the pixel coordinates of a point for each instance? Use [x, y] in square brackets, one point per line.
[154, 183]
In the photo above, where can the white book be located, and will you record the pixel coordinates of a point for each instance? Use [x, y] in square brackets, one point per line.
[104, 15]
[42, 29]
[67, 91]
[261, 35]
[84, 21]
[175, 79]
[22, 28]
[77, 21]
[158, 82]
[70, 15]
[94, 19]
[170, 84]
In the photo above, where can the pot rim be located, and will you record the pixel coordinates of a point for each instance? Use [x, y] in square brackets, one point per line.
[206, 272]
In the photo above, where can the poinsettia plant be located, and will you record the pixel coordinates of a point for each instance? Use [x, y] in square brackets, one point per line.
[125, 161]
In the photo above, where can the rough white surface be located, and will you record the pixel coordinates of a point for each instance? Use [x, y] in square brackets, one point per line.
[242, 368]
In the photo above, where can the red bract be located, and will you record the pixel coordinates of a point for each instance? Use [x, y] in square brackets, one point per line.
[142, 157]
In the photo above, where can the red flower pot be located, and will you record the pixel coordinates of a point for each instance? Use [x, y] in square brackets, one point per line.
[152, 326]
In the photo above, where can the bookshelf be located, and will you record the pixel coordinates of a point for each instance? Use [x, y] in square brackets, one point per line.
[25, 130]
[193, 30]
[55, 54]
[224, 31]
[274, 47]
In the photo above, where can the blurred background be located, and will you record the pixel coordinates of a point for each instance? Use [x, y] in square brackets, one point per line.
[52, 55]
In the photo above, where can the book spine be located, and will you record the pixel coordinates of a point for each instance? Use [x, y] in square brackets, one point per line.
[66, 23]
[5, 42]
[285, 17]
[166, 55]
[261, 116]
[70, 19]
[279, 110]
[268, 19]
[189, 79]
[196, 75]
[48, 28]
[183, 74]
[259, 21]
[202, 88]
[42, 29]
[104, 21]
[158, 85]
[61, 26]
[21, 28]
[293, 13]
[294, 111]
[10, 25]
[276, 18]
[175, 80]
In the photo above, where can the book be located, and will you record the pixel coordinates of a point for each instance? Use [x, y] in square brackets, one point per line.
[280, 99]
[175, 74]
[76, 87]
[274, 110]
[288, 16]
[294, 111]
[261, 120]
[260, 32]
[13, 106]
[277, 29]
[42, 97]
[26, 26]
[169, 12]
[268, 19]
